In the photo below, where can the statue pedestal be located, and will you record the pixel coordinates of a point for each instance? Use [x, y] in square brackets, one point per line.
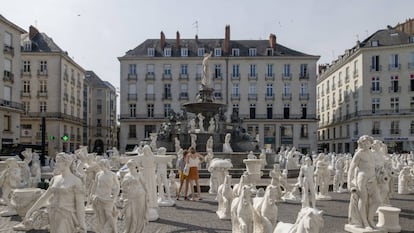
[355, 229]
[253, 167]
[388, 218]
[23, 199]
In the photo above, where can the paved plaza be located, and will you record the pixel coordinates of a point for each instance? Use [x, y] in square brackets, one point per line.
[200, 216]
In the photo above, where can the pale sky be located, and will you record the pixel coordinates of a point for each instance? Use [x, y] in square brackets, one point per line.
[96, 32]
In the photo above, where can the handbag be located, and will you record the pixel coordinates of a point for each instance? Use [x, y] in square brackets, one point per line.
[186, 170]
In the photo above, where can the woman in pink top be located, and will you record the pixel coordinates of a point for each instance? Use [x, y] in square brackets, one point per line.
[193, 160]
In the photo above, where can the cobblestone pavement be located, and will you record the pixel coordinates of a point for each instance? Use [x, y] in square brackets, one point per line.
[200, 216]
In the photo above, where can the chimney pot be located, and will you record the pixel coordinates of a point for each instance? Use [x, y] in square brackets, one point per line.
[32, 32]
[227, 39]
[272, 40]
[162, 40]
[177, 42]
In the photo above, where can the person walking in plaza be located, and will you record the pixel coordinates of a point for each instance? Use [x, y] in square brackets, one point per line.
[193, 161]
[183, 177]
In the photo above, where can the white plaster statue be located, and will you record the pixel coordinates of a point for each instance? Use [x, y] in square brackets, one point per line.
[35, 171]
[192, 124]
[265, 211]
[91, 167]
[147, 162]
[25, 170]
[382, 172]
[244, 180]
[212, 125]
[162, 160]
[306, 183]
[226, 146]
[153, 143]
[135, 199]
[405, 181]
[322, 178]
[309, 220]
[242, 212]
[224, 197]
[338, 180]
[205, 81]
[65, 197]
[251, 155]
[262, 156]
[362, 183]
[177, 144]
[179, 156]
[219, 169]
[193, 140]
[275, 174]
[201, 122]
[115, 159]
[292, 194]
[208, 158]
[104, 194]
[209, 144]
[172, 183]
[10, 179]
[291, 159]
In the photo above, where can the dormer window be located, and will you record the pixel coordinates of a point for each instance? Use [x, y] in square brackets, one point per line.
[374, 43]
[167, 52]
[217, 52]
[27, 46]
[200, 52]
[151, 52]
[235, 52]
[252, 52]
[184, 52]
[269, 52]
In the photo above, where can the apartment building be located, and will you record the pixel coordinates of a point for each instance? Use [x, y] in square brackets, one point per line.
[369, 90]
[100, 112]
[10, 103]
[270, 87]
[51, 89]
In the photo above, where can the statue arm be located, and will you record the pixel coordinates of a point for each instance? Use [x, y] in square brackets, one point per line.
[40, 202]
[352, 168]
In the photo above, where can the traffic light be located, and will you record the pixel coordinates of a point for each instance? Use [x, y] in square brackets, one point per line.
[51, 138]
[65, 138]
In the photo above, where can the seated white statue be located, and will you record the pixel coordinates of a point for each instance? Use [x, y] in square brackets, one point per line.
[309, 220]
[226, 146]
[242, 211]
[224, 197]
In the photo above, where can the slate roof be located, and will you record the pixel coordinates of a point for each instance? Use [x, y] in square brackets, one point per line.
[92, 79]
[209, 45]
[43, 43]
[386, 37]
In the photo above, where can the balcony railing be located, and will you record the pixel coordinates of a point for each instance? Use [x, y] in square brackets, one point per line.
[286, 76]
[376, 132]
[235, 76]
[235, 97]
[132, 96]
[132, 77]
[252, 96]
[41, 94]
[11, 104]
[375, 68]
[149, 76]
[286, 96]
[270, 77]
[42, 72]
[8, 76]
[166, 77]
[183, 76]
[198, 76]
[217, 76]
[303, 75]
[269, 97]
[149, 96]
[25, 94]
[183, 96]
[394, 131]
[394, 89]
[376, 90]
[252, 76]
[26, 73]
[304, 96]
[8, 50]
[394, 66]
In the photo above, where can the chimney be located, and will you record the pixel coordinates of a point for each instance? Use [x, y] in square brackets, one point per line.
[162, 40]
[32, 32]
[196, 38]
[227, 39]
[177, 40]
[272, 41]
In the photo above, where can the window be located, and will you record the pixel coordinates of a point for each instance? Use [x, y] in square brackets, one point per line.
[98, 106]
[235, 89]
[217, 52]
[149, 129]
[26, 86]
[8, 69]
[395, 127]
[395, 104]
[7, 39]
[252, 111]
[150, 69]
[26, 66]
[252, 52]
[269, 89]
[412, 104]
[7, 95]
[132, 89]
[200, 52]
[286, 111]
[347, 74]
[151, 52]
[304, 89]
[269, 70]
[375, 66]
[132, 110]
[269, 51]
[217, 90]
[132, 131]
[167, 52]
[252, 89]
[269, 111]
[184, 91]
[375, 105]
[286, 89]
[7, 123]
[236, 72]
[167, 91]
[167, 69]
[286, 70]
[132, 69]
[150, 110]
[184, 69]
[217, 71]
[167, 109]
[235, 113]
[375, 83]
[394, 62]
[43, 66]
[43, 106]
[412, 127]
[184, 52]
[394, 84]
[27, 46]
[199, 71]
[411, 60]
[304, 110]
[376, 127]
[303, 130]
[304, 70]
[374, 43]
[252, 70]
[43, 86]
[235, 52]
[26, 107]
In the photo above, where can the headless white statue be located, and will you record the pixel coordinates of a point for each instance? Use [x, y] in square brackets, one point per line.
[225, 197]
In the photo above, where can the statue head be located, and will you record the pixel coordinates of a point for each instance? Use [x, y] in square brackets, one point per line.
[147, 150]
[104, 164]
[161, 151]
[365, 141]
[132, 165]
[12, 163]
